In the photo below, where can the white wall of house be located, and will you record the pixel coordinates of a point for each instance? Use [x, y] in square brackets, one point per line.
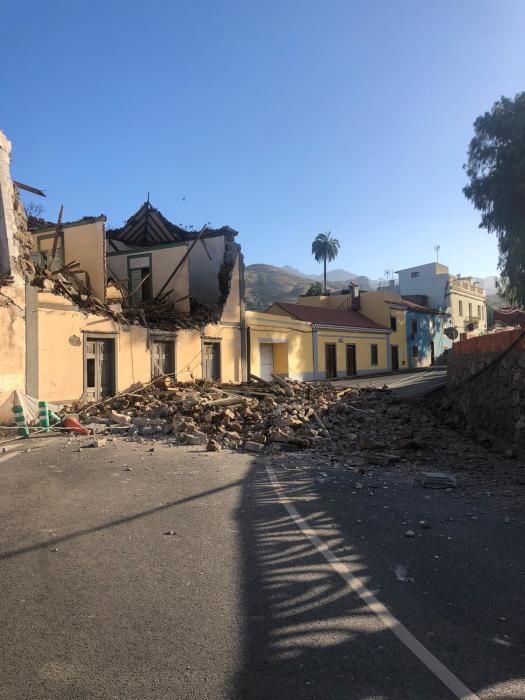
[430, 279]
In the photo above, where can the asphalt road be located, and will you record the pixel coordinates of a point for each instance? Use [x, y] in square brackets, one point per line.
[238, 601]
[405, 384]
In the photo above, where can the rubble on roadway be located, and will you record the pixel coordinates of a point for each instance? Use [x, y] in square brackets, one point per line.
[364, 427]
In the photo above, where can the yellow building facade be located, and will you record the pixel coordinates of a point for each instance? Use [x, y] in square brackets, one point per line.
[384, 307]
[306, 343]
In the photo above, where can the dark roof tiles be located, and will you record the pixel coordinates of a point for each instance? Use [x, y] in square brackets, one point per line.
[329, 317]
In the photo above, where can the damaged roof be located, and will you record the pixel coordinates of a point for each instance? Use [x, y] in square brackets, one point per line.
[322, 316]
[149, 227]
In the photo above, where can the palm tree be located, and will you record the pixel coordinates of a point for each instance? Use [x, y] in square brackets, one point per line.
[325, 248]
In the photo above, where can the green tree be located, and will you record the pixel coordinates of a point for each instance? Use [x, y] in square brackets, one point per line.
[325, 248]
[314, 290]
[496, 188]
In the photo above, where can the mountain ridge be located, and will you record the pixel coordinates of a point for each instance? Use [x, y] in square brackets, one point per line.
[266, 284]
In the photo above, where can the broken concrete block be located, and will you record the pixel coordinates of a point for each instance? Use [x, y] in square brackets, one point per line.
[196, 438]
[213, 446]
[119, 418]
[95, 442]
[252, 446]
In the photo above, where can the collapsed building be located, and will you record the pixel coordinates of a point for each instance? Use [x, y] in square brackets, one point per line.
[89, 311]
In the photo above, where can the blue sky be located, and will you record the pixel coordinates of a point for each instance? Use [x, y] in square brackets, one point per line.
[279, 118]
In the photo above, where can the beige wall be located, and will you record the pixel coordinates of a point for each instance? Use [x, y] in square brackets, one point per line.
[380, 306]
[467, 298]
[163, 262]
[362, 342]
[61, 332]
[12, 341]
[291, 340]
[84, 243]
[188, 352]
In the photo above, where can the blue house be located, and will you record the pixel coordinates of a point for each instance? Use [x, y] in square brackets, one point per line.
[426, 339]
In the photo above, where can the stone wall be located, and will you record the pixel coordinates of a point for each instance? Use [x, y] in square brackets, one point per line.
[486, 386]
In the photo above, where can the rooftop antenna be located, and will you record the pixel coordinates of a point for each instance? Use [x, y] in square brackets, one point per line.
[437, 248]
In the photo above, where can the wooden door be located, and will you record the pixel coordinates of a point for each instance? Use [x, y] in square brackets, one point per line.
[211, 361]
[395, 357]
[99, 368]
[351, 364]
[330, 361]
[161, 358]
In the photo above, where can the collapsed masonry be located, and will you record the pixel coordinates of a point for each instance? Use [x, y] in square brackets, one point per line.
[359, 428]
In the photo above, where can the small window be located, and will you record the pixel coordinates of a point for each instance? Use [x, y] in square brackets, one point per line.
[414, 326]
[415, 352]
[479, 311]
[373, 355]
[414, 274]
[393, 323]
[470, 310]
[460, 308]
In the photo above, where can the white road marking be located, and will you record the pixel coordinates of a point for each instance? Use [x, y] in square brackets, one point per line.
[407, 638]
[9, 455]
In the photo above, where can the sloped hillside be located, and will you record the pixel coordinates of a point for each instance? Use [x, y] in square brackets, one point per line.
[266, 284]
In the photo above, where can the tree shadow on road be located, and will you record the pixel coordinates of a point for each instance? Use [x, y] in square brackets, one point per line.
[306, 633]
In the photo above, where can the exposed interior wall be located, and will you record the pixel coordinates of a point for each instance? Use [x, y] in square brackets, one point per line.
[203, 271]
[232, 309]
[12, 340]
[84, 243]
[362, 342]
[7, 216]
[164, 260]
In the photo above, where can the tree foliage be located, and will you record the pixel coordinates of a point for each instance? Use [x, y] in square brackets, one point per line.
[325, 248]
[314, 290]
[496, 188]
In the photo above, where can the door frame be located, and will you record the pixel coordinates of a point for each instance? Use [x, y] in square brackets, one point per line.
[326, 346]
[86, 335]
[205, 341]
[392, 347]
[354, 348]
[163, 337]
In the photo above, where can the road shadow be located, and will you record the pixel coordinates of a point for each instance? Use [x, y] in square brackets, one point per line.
[307, 635]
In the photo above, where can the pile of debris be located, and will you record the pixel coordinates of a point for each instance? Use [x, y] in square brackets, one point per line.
[250, 416]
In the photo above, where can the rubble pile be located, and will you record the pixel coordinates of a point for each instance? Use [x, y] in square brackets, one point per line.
[362, 428]
[250, 416]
